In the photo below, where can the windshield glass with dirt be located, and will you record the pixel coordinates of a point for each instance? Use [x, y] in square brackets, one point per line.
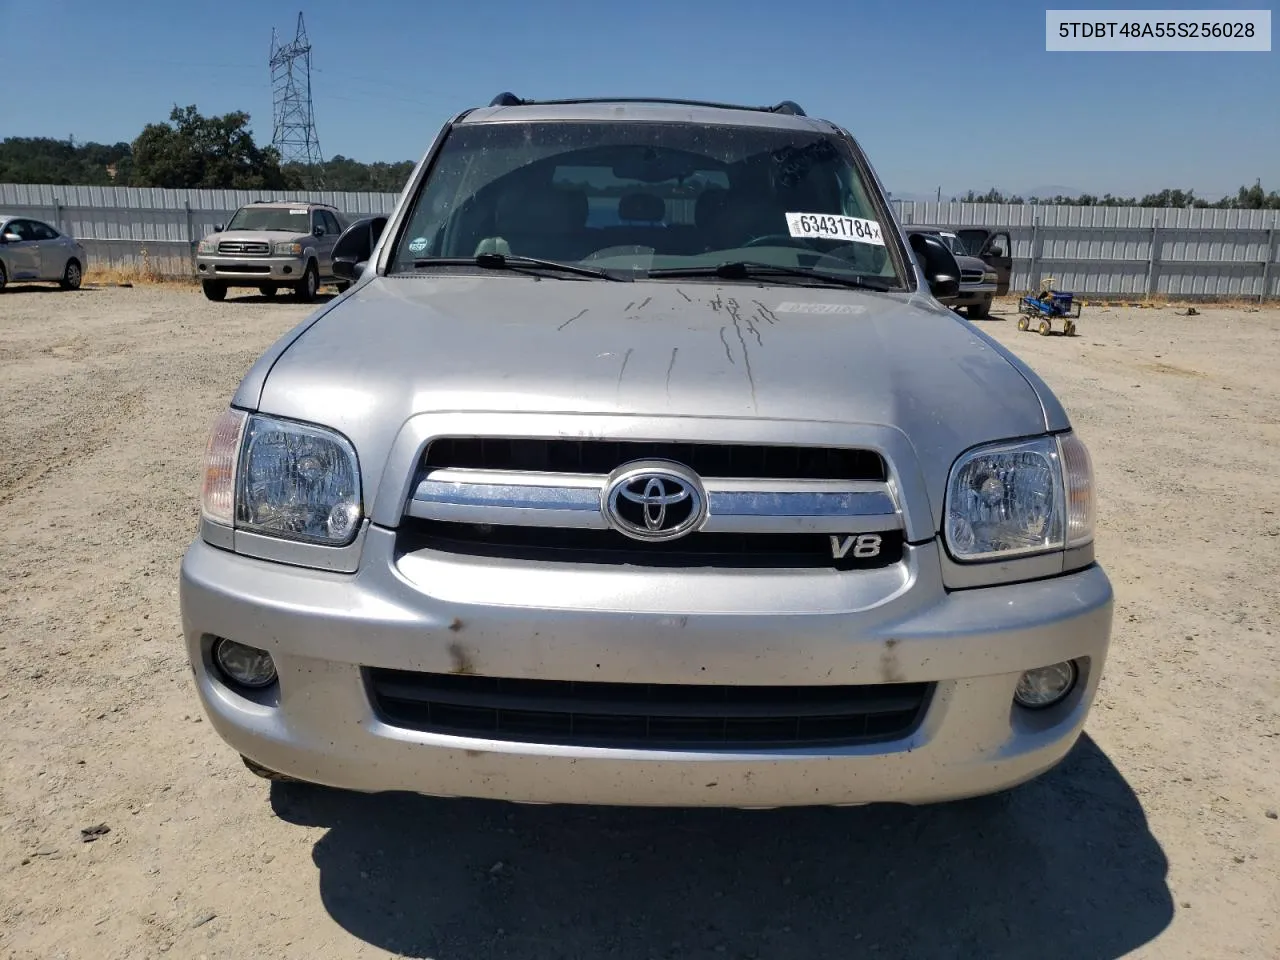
[286, 220]
[645, 196]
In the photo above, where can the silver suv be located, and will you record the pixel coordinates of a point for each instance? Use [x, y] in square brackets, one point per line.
[269, 245]
[642, 465]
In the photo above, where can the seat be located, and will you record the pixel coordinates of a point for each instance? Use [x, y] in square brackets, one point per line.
[738, 217]
[548, 223]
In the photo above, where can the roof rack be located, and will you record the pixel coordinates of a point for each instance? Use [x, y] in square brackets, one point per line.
[508, 99]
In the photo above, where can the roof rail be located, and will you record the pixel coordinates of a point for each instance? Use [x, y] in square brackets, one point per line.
[789, 106]
[511, 100]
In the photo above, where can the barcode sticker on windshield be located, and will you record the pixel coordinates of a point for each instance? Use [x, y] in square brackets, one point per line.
[303, 211]
[826, 226]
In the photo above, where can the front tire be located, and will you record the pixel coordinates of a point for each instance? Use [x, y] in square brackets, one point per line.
[979, 311]
[309, 285]
[266, 773]
[73, 276]
[4, 278]
[214, 290]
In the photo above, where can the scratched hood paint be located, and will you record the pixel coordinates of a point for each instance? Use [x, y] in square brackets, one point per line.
[401, 346]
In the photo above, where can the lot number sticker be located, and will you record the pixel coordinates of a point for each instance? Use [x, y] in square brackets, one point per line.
[826, 226]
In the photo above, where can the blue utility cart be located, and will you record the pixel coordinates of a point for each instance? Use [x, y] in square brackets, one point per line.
[1045, 306]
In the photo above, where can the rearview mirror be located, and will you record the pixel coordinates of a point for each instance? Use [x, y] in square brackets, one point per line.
[938, 264]
[355, 246]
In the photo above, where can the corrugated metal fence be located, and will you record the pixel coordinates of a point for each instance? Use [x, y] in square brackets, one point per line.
[1128, 251]
[152, 227]
[1100, 251]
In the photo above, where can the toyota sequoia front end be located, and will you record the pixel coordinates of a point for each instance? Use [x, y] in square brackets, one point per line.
[642, 465]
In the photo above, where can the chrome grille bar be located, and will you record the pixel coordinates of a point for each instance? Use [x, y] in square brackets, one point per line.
[573, 501]
[245, 248]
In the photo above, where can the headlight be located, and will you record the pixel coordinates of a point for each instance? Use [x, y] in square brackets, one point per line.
[287, 249]
[990, 277]
[1015, 499]
[283, 479]
[207, 246]
[298, 482]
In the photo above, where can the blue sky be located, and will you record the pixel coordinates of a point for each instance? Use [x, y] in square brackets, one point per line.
[957, 95]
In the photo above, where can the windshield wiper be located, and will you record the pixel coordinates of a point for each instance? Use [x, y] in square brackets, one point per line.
[744, 270]
[500, 261]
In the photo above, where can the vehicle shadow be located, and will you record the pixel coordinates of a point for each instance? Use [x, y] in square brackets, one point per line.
[1062, 867]
[16, 286]
[284, 297]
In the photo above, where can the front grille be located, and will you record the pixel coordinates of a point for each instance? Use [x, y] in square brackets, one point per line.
[654, 716]
[721, 550]
[248, 248]
[705, 459]
[970, 276]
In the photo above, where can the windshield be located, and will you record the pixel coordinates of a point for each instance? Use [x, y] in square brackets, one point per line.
[287, 219]
[954, 244]
[637, 197]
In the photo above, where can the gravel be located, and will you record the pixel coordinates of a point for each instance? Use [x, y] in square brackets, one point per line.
[107, 396]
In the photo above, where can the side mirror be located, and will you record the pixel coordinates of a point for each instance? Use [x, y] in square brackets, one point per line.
[317, 231]
[355, 246]
[938, 263]
[217, 228]
[996, 251]
[10, 238]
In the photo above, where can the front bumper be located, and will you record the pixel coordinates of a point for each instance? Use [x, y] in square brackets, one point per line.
[974, 293]
[526, 621]
[251, 270]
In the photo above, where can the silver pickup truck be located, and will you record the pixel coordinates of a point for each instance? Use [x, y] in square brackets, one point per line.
[642, 465]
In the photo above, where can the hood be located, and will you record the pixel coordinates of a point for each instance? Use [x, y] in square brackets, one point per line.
[270, 236]
[971, 263]
[399, 346]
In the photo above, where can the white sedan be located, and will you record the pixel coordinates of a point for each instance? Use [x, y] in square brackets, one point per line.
[33, 250]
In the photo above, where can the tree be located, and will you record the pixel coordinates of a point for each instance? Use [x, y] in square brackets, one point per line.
[1252, 198]
[46, 160]
[196, 151]
[1246, 198]
[343, 173]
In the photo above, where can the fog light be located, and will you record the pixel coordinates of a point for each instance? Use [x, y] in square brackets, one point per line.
[1045, 686]
[244, 665]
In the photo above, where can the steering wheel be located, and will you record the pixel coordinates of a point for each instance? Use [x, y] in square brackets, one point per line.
[771, 239]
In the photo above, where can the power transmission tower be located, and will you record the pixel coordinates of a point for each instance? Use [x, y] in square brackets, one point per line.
[295, 125]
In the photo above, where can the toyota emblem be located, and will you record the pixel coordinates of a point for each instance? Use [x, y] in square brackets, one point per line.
[654, 500]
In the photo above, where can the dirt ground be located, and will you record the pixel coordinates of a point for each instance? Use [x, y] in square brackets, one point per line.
[1158, 837]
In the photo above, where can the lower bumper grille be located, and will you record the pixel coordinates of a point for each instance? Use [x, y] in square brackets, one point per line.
[654, 716]
[243, 268]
